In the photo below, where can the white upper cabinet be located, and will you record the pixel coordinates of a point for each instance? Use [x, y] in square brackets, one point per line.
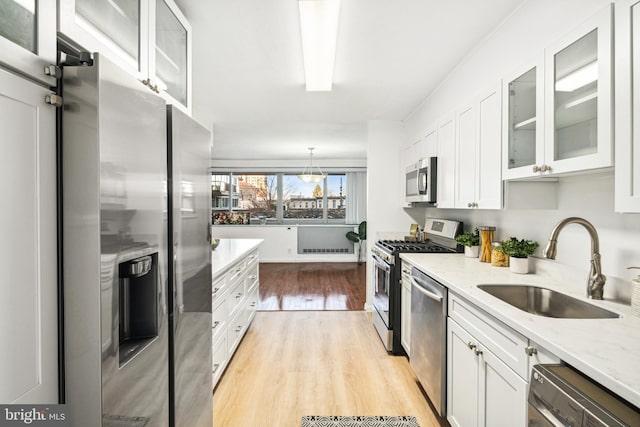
[28, 37]
[478, 178]
[627, 124]
[446, 134]
[117, 29]
[578, 98]
[466, 123]
[523, 131]
[151, 39]
[558, 110]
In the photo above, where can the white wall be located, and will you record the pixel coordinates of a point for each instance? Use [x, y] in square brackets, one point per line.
[522, 37]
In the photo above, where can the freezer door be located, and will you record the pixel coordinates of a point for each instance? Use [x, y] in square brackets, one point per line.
[190, 270]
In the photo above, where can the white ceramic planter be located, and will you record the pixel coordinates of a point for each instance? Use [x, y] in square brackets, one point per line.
[472, 251]
[519, 265]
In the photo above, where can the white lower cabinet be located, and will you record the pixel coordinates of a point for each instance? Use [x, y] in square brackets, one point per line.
[488, 368]
[482, 390]
[235, 299]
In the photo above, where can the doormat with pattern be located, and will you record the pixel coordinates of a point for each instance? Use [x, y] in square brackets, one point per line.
[332, 421]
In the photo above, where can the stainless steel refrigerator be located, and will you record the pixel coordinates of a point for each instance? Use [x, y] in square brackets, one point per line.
[120, 262]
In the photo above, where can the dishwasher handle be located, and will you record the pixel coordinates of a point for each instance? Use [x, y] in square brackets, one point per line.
[426, 292]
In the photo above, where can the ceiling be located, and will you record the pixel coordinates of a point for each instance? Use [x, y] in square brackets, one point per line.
[248, 76]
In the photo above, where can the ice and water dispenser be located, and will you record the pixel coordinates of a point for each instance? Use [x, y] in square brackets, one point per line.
[138, 305]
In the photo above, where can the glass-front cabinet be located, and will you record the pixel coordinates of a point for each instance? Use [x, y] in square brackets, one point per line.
[579, 98]
[28, 37]
[523, 132]
[558, 110]
[151, 39]
[171, 52]
[118, 29]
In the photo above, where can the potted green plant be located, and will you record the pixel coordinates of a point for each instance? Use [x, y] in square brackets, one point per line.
[519, 252]
[358, 238]
[471, 242]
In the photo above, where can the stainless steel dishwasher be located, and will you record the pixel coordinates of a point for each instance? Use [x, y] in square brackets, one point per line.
[561, 396]
[428, 336]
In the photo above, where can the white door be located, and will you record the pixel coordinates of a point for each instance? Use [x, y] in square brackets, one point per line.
[28, 37]
[503, 393]
[578, 97]
[463, 365]
[28, 253]
[445, 196]
[466, 142]
[488, 192]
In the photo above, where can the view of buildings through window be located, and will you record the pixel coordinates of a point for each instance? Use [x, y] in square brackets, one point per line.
[255, 198]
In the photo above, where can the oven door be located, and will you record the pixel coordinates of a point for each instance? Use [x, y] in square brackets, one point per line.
[382, 273]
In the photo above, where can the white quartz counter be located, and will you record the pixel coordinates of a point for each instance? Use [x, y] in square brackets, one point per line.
[229, 251]
[607, 350]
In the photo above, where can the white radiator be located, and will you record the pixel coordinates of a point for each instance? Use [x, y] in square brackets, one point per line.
[324, 240]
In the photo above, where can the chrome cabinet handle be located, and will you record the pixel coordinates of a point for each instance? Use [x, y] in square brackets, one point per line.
[253, 276]
[239, 295]
[215, 368]
[215, 290]
[477, 351]
[239, 328]
[530, 351]
[215, 324]
[471, 345]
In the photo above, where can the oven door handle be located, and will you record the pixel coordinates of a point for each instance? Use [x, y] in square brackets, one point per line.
[381, 264]
[424, 291]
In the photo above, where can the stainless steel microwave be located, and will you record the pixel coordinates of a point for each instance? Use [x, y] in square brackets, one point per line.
[420, 181]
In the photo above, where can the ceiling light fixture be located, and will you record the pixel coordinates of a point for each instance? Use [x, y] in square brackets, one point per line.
[308, 175]
[319, 26]
[578, 78]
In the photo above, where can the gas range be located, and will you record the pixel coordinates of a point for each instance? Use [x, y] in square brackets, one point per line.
[387, 299]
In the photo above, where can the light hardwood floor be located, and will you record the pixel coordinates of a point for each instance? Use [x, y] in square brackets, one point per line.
[292, 364]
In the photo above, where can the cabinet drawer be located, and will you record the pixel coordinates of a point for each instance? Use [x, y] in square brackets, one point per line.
[507, 344]
[218, 288]
[219, 318]
[220, 358]
[252, 276]
[235, 298]
[252, 258]
[235, 272]
[252, 302]
[235, 330]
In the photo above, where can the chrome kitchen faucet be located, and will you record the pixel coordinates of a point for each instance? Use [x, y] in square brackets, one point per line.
[596, 280]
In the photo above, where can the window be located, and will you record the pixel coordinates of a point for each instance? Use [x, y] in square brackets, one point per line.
[280, 198]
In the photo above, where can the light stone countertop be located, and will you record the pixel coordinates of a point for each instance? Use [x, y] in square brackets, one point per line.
[229, 251]
[607, 350]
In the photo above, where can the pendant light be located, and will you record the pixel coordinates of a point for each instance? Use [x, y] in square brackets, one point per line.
[308, 174]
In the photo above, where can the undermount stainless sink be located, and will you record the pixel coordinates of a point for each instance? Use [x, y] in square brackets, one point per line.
[546, 302]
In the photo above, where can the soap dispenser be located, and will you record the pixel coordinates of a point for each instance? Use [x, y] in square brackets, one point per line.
[635, 293]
